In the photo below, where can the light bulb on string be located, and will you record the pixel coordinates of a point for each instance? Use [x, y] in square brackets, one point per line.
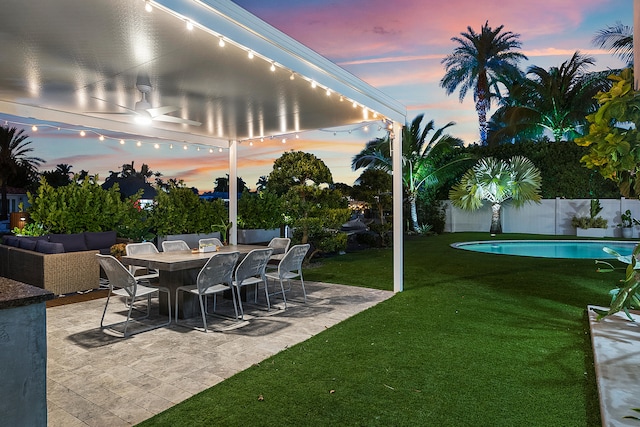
[221, 42]
[122, 142]
[82, 133]
[33, 128]
[156, 146]
[147, 6]
[138, 144]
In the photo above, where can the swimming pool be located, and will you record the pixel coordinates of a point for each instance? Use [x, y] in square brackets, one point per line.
[582, 249]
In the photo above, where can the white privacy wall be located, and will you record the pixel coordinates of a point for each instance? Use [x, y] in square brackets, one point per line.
[550, 216]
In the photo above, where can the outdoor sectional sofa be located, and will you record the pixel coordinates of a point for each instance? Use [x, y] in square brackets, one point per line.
[60, 263]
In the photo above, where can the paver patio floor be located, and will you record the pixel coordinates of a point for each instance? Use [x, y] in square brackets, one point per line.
[97, 379]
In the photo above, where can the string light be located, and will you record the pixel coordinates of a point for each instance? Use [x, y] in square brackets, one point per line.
[221, 42]
[250, 54]
[273, 67]
[147, 6]
[83, 133]
[189, 25]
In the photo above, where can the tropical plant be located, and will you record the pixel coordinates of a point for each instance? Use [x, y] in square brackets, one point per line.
[478, 63]
[614, 138]
[593, 220]
[618, 39]
[557, 99]
[426, 163]
[626, 295]
[497, 181]
[60, 176]
[14, 155]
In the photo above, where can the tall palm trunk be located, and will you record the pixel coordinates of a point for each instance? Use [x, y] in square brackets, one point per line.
[482, 106]
[496, 220]
[414, 212]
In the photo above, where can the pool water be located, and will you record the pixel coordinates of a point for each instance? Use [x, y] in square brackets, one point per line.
[580, 249]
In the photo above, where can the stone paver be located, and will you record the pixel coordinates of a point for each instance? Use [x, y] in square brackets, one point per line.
[96, 379]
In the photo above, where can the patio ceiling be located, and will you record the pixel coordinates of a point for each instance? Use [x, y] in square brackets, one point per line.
[81, 63]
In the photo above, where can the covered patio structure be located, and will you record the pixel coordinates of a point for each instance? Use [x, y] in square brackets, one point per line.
[200, 72]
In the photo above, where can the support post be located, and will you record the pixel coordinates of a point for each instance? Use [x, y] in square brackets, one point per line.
[398, 232]
[233, 192]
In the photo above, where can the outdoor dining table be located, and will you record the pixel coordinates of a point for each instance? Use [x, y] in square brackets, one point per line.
[173, 268]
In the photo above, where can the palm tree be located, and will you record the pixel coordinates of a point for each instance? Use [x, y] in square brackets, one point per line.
[618, 39]
[497, 181]
[424, 163]
[478, 63]
[557, 99]
[13, 156]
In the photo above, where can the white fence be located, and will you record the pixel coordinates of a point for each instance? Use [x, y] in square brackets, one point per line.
[551, 216]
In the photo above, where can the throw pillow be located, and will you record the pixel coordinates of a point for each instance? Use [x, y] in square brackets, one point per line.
[45, 247]
[71, 242]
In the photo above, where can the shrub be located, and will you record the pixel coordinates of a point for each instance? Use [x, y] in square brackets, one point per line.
[260, 210]
[76, 208]
[180, 211]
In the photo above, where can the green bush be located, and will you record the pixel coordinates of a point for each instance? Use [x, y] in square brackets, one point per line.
[76, 208]
[260, 210]
[181, 211]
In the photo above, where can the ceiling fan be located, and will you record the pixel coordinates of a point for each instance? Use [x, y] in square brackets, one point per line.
[144, 113]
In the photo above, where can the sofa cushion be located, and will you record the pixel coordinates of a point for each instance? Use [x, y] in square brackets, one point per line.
[11, 241]
[71, 242]
[27, 243]
[100, 240]
[49, 247]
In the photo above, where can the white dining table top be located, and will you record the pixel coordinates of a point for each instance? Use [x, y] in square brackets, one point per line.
[182, 260]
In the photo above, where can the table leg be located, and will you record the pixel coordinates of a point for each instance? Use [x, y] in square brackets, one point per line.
[188, 304]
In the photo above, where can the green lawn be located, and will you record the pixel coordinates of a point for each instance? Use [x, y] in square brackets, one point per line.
[474, 340]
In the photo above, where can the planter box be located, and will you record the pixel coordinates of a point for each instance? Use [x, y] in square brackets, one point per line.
[250, 237]
[590, 232]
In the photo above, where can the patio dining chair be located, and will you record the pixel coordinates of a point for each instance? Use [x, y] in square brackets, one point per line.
[214, 278]
[142, 248]
[289, 268]
[122, 283]
[280, 246]
[175, 245]
[251, 271]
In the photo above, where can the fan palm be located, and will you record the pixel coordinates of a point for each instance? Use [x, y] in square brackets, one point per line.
[14, 152]
[557, 99]
[497, 181]
[478, 62]
[424, 162]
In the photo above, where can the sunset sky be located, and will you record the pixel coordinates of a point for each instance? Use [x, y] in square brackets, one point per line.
[395, 46]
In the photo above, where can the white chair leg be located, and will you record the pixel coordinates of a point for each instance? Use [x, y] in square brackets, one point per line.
[204, 314]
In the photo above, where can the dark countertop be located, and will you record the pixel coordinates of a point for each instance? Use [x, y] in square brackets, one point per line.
[17, 294]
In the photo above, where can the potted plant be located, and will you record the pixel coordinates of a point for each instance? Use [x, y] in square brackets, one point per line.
[592, 225]
[627, 223]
